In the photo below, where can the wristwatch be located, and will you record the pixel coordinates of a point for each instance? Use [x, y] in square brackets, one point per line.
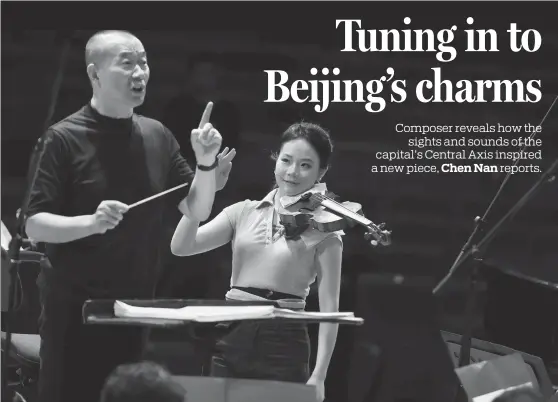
[208, 168]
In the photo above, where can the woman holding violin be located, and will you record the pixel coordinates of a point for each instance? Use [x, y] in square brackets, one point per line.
[277, 253]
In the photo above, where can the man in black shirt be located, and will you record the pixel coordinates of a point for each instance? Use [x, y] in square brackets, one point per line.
[98, 161]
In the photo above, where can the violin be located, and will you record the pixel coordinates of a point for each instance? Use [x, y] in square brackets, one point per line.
[322, 212]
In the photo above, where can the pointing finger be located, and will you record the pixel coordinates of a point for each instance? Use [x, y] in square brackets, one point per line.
[206, 114]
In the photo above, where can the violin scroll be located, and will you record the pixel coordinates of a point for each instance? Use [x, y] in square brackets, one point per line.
[378, 234]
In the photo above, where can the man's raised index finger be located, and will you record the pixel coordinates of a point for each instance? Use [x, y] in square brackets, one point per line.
[206, 115]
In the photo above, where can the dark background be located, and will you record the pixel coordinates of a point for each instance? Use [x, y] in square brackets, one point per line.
[431, 215]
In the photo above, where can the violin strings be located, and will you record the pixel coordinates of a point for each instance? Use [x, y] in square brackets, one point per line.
[325, 197]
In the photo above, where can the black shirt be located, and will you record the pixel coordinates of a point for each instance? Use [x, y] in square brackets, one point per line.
[92, 158]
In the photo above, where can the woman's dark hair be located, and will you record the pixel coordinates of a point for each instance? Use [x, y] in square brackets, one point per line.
[316, 136]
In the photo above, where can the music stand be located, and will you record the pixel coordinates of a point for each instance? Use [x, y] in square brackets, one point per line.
[101, 312]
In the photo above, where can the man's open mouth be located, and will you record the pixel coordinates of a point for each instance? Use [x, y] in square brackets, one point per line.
[138, 88]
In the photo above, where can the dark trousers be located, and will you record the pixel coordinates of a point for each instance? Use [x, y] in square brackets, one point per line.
[76, 358]
[266, 350]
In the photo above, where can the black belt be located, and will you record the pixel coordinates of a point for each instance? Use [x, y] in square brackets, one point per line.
[268, 294]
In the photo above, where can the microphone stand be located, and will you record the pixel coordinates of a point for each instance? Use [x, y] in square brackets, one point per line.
[480, 222]
[477, 251]
[14, 257]
[17, 240]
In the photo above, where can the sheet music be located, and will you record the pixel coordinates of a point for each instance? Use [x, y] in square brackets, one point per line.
[486, 380]
[220, 313]
[493, 395]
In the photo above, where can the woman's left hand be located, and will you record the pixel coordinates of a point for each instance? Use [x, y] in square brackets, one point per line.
[320, 388]
[225, 165]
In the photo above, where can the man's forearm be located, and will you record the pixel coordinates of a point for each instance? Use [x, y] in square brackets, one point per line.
[45, 227]
[199, 202]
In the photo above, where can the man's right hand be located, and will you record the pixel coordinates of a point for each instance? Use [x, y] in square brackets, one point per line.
[108, 215]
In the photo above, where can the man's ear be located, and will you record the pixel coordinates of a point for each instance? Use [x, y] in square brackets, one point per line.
[92, 72]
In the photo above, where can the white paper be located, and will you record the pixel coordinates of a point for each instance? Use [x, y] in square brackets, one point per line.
[220, 313]
[5, 237]
[486, 380]
[194, 313]
[493, 395]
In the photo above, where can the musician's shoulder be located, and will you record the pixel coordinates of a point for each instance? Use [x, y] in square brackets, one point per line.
[242, 204]
[68, 120]
[149, 123]
[68, 126]
[153, 129]
[61, 132]
[240, 208]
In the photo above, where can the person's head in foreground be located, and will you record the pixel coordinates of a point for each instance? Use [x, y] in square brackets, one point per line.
[118, 71]
[142, 382]
[303, 158]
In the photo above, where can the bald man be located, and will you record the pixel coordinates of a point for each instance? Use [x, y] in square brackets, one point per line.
[97, 162]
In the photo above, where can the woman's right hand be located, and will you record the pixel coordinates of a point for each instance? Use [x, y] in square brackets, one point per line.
[206, 140]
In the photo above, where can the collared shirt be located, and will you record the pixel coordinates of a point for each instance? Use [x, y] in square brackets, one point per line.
[263, 258]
